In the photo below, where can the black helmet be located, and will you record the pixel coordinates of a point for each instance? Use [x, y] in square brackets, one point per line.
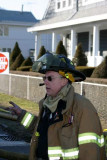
[59, 63]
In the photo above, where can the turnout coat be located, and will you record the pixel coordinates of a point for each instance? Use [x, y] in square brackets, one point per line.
[78, 136]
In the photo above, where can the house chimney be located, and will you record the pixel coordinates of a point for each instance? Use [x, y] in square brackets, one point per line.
[77, 5]
[22, 7]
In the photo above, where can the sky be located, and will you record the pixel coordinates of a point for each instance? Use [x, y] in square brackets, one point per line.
[37, 7]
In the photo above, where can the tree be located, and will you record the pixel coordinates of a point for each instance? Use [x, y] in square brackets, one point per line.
[42, 51]
[16, 51]
[17, 63]
[60, 49]
[80, 59]
[101, 70]
[27, 62]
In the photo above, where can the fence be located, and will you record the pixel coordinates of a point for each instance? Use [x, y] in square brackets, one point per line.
[28, 87]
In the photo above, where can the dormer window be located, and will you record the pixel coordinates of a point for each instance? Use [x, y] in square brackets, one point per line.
[69, 2]
[63, 5]
[86, 2]
[58, 5]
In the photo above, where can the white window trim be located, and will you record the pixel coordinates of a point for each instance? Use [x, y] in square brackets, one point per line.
[90, 2]
[4, 32]
[61, 8]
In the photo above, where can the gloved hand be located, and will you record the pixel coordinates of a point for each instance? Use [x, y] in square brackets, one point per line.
[15, 109]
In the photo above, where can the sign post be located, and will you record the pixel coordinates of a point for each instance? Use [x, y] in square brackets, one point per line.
[4, 63]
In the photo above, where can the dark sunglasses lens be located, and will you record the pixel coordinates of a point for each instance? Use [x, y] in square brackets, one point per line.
[49, 78]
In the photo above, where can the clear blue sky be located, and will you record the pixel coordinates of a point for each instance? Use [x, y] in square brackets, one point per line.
[37, 7]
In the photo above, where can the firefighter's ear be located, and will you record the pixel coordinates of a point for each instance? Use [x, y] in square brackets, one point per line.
[64, 81]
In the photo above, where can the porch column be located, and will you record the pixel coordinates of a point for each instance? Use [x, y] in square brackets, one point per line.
[54, 41]
[73, 43]
[37, 44]
[95, 43]
[64, 41]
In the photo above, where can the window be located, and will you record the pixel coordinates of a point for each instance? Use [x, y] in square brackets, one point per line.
[31, 54]
[3, 30]
[58, 5]
[4, 49]
[9, 50]
[69, 2]
[63, 5]
[86, 2]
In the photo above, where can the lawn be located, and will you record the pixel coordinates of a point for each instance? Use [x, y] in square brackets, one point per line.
[23, 103]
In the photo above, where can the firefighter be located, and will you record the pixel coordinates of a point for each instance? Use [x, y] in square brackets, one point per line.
[68, 126]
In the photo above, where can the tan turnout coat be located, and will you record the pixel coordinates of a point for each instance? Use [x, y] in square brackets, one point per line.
[73, 139]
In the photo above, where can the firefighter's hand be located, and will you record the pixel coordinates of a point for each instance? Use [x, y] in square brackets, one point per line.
[15, 109]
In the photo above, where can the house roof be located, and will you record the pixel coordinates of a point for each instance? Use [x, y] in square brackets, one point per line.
[52, 17]
[17, 16]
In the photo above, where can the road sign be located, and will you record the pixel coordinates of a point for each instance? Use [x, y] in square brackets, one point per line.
[4, 63]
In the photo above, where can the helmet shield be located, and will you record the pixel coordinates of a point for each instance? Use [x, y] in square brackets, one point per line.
[48, 62]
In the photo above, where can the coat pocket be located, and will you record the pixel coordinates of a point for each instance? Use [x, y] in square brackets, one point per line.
[69, 137]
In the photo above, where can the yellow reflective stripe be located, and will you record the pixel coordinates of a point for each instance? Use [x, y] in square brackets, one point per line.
[91, 137]
[57, 152]
[105, 130]
[37, 134]
[27, 119]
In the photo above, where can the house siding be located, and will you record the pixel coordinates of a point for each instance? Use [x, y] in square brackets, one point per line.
[20, 35]
[16, 23]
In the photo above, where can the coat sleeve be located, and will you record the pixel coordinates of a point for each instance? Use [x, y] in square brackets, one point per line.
[90, 137]
[28, 120]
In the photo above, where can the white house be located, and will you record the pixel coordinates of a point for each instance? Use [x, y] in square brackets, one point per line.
[75, 21]
[13, 28]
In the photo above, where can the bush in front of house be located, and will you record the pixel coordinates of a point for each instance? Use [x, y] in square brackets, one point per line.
[16, 51]
[24, 68]
[42, 51]
[86, 70]
[18, 61]
[60, 49]
[80, 59]
[27, 62]
[101, 70]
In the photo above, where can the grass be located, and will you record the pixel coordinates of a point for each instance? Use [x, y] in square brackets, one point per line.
[23, 103]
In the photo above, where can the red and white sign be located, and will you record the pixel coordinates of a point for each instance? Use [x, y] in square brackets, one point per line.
[4, 63]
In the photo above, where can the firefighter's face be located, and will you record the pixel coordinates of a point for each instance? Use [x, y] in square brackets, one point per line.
[54, 82]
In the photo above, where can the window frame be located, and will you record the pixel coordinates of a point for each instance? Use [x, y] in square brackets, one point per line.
[4, 29]
[60, 3]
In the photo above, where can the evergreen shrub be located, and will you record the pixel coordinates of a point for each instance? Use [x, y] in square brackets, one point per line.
[60, 49]
[101, 70]
[24, 68]
[27, 62]
[16, 51]
[80, 59]
[42, 51]
[19, 60]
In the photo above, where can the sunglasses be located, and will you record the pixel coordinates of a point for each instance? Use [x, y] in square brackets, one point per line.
[50, 78]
